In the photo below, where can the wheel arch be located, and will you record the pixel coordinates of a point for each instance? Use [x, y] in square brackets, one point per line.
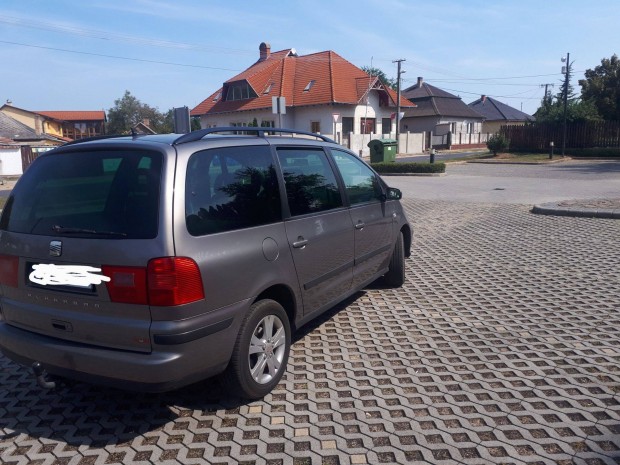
[285, 296]
[406, 231]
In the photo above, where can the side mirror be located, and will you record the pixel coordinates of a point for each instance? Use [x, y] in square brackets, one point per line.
[394, 194]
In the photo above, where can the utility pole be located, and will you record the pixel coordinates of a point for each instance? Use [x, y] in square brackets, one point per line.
[398, 72]
[566, 77]
[546, 86]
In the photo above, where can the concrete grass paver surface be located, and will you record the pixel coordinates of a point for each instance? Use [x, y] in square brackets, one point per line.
[502, 347]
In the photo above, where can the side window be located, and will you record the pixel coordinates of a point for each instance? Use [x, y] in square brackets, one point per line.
[361, 183]
[310, 181]
[231, 188]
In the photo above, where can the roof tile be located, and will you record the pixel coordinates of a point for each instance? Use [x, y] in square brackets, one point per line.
[336, 80]
[98, 115]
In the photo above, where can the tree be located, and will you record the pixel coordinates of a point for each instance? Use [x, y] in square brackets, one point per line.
[498, 143]
[381, 75]
[551, 109]
[601, 86]
[129, 111]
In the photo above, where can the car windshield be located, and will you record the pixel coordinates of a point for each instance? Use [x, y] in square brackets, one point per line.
[98, 194]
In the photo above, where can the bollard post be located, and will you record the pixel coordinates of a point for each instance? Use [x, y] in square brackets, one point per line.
[551, 150]
[432, 155]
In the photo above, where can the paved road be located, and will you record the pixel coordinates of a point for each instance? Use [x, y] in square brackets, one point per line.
[516, 184]
[502, 347]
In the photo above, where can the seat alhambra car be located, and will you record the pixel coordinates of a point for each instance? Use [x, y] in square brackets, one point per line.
[152, 262]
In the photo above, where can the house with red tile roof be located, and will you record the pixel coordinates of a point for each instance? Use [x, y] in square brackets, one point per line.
[63, 125]
[323, 93]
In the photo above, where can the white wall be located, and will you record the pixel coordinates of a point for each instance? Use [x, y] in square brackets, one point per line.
[409, 142]
[10, 162]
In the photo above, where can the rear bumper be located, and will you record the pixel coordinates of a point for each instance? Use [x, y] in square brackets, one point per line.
[167, 367]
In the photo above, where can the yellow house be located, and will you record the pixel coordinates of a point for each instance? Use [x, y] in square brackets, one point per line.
[65, 125]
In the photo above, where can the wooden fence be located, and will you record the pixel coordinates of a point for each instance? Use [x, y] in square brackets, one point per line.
[538, 136]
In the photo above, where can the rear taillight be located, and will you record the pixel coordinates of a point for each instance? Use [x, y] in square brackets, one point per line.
[9, 265]
[174, 281]
[165, 282]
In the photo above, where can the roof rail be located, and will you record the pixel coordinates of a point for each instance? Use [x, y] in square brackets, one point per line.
[259, 132]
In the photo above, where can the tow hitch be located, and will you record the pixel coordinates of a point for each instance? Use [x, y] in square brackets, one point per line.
[39, 373]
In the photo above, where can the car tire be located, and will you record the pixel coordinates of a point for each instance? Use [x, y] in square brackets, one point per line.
[261, 351]
[395, 276]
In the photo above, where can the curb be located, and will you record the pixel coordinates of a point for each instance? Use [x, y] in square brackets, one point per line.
[509, 162]
[555, 210]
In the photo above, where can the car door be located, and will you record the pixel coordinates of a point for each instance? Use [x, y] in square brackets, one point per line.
[319, 227]
[371, 215]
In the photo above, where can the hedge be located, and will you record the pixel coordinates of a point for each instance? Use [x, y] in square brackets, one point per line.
[592, 152]
[392, 167]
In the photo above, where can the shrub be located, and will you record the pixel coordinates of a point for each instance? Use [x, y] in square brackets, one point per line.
[498, 143]
[392, 167]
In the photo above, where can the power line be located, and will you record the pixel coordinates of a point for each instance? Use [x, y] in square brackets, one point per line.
[116, 57]
[107, 36]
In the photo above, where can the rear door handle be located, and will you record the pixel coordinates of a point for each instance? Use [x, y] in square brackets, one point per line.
[300, 243]
[360, 225]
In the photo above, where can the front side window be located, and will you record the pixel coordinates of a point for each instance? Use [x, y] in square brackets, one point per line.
[361, 183]
[99, 194]
[231, 188]
[310, 181]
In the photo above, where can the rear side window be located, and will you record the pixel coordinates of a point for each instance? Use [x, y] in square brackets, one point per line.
[231, 188]
[310, 181]
[99, 194]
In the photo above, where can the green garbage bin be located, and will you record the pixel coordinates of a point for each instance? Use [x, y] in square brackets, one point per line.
[382, 150]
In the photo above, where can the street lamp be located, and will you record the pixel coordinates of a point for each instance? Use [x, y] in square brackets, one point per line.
[566, 71]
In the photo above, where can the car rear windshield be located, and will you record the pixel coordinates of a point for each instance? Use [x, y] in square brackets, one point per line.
[99, 194]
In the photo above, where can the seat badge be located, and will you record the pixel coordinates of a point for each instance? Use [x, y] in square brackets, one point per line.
[55, 248]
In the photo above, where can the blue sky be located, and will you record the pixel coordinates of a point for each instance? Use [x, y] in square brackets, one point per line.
[82, 55]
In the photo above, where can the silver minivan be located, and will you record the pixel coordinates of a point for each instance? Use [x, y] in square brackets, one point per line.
[152, 262]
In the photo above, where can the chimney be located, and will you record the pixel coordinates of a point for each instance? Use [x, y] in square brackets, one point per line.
[38, 125]
[420, 81]
[483, 99]
[265, 51]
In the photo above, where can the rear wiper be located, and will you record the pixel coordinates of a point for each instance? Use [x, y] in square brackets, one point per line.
[60, 229]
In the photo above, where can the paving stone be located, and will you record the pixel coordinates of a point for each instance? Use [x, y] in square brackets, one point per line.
[501, 347]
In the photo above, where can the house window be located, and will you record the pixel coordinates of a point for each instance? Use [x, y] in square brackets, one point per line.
[309, 86]
[386, 125]
[268, 88]
[217, 97]
[470, 128]
[239, 125]
[453, 127]
[315, 126]
[240, 91]
[367, 125]
[268, 124]
[347, 125]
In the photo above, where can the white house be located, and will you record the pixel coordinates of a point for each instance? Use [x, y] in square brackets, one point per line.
[323, 93]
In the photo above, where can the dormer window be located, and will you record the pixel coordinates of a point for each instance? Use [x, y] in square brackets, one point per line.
[240, 91]
[309, 86]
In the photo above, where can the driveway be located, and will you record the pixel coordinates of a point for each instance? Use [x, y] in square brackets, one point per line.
[502, 347]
